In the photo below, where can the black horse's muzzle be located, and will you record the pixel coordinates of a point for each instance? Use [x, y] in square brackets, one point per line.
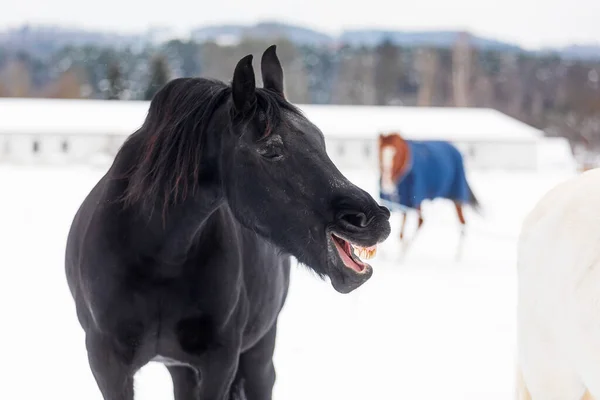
[365, 224]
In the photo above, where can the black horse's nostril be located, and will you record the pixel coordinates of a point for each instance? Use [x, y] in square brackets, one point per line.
[354, 218]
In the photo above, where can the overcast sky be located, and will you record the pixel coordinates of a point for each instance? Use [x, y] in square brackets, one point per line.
[526, 22]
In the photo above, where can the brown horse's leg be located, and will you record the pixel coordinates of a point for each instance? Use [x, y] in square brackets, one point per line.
[459, 212]
[420, 218]
[463, 224]
[402, 226]
[407, 243]
[420, 223]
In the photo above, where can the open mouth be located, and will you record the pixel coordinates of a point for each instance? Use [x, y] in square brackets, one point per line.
[351, 254]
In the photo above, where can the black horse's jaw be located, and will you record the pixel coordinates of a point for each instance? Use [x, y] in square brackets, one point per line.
[347, 271]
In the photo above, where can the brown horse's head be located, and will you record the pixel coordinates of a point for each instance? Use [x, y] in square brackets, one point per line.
[393, 160]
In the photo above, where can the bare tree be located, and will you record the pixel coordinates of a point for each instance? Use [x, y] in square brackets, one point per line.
[16, 79]
[159, 76]
[354, 81]
[4, 92]
[69, 85]
[387, 72]
[115, 81]
[427, 63]
[461, 70]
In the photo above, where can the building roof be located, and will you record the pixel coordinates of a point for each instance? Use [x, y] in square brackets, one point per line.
[444, 123]
[103, 117]
[70, 117]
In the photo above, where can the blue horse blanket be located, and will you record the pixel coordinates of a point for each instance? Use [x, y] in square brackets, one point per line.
[436, 170]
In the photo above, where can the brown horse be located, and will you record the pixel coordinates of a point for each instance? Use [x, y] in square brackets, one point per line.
[414, 171]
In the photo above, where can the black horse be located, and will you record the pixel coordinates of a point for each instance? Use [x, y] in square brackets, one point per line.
[181, 252]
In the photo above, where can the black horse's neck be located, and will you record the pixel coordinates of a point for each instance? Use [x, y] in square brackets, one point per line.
[185, 225]
[168, 231]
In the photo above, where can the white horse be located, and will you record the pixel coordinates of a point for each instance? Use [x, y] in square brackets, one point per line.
[559, 294]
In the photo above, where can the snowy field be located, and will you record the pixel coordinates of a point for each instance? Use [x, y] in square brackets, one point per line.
[424, 327]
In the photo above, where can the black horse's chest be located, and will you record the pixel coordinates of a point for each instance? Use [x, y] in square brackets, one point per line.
[186, 316]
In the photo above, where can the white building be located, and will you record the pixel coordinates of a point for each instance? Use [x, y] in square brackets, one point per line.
[83, 131]
[486, 137]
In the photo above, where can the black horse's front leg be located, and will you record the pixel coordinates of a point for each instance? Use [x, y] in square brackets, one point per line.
[112, 371]
[257, 369]
[185, 382]
[218, 369]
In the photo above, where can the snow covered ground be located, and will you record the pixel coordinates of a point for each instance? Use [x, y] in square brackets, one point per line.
[424, 327]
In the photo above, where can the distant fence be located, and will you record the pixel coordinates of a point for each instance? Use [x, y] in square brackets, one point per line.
[347, 153]
[58, 149]
[84, 149]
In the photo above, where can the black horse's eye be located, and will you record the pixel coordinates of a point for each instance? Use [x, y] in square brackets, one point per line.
[273, 156]
[270, 154]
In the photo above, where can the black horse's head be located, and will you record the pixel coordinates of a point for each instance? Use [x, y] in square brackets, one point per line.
[251, 149]
[279, 182]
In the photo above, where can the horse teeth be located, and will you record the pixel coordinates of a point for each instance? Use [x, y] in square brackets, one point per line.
[365, 253]
[372, 253]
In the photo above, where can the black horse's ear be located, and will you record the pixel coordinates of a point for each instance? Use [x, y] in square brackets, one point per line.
[243, 86]
[272, 73]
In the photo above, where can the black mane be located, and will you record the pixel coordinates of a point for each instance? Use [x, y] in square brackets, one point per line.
[172, 139]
